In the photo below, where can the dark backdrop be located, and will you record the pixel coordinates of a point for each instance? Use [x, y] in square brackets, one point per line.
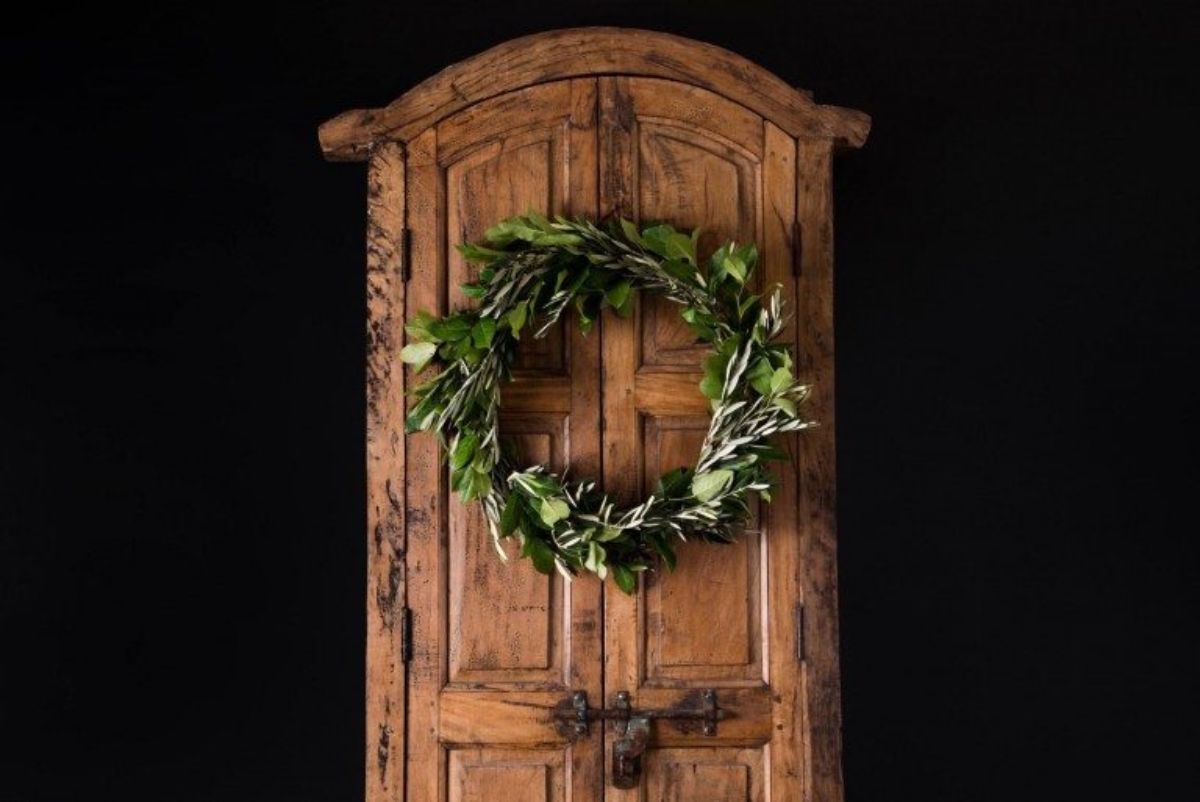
[181, 359]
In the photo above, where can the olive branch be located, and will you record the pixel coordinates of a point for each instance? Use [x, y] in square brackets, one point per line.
[533, 270]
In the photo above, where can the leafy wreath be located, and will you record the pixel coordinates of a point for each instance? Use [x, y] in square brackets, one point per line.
[535, 270]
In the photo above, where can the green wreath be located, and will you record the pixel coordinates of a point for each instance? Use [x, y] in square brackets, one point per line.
[535, 270]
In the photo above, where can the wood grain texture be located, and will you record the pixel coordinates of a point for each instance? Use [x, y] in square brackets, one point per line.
[385, 700]
[786, 766]
[817, 503]
[426, 492]
[497, 645]
[579, 52]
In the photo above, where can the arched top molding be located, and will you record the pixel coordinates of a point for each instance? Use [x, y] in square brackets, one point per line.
[581, 52]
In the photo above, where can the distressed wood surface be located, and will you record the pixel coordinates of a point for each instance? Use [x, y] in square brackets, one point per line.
[385, 700]
[579, 52]
[817, 507]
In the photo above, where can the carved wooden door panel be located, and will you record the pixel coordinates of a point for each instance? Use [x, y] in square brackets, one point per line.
[725, 619]
[496, 645]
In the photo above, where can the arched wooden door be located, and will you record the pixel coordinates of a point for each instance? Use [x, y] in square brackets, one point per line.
[472, 662]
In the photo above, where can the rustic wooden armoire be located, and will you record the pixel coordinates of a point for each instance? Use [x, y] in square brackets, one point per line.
[488, 682]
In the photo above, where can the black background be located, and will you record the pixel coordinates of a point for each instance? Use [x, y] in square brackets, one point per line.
[181, 349]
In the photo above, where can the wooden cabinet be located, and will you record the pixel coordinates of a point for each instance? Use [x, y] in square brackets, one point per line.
[473, 664]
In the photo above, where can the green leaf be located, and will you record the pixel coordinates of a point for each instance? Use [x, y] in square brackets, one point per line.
[624, 578]
[553, 510]
[514, 228]
[609, 533]
[516, 318]
[619, 294]
[450, 329]
[558, 238]
[668, 243]
[478, 253]
[482, 332]
[510, 516]
[418, 327]
[464, 450]
[679, 270]
[595, 560]
[483, 462]
[706, 486]
[781, 379]
[674, 484]
[735, 267]
[473, 290]
[711, 385]
[786, 405]
[538, 552]
[714, 371]
[418, 354]
[760, 376]
[631, 232]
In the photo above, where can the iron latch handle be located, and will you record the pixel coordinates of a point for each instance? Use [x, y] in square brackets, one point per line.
[628, 751]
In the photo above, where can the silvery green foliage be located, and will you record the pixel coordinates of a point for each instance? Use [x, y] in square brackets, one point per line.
[534, 270]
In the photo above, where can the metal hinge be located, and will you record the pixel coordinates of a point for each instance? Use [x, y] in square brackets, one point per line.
[406, 649]
[405, 252]
[797, 243]
[800, 632]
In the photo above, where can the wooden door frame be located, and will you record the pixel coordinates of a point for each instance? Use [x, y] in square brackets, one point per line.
[380, 136]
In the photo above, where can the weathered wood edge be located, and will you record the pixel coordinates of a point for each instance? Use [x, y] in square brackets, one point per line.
[817, 503]
[385, 682]
[580, 52]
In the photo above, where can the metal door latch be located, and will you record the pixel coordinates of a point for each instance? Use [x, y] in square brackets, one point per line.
[696, 711]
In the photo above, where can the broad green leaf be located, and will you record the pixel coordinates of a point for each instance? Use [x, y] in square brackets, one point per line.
[418, 327]
[464, 450]
[553, 510]
[711, 385]
[510, 516]
[516, 318]
[595, 560]
[418, 354]
[631, 232]
[484, 461]
[618, 294]
[478, 253]
[786, 405]
[706, 486]
[679, 270]
[473, 290]
[483, 331]
[760, 376]
[624, 578]
[450, 329]
[735, 267]
[781, 379]
[608, 534]
[538, 553]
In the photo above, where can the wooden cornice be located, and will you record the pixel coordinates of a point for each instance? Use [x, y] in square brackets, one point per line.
[579, 52]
